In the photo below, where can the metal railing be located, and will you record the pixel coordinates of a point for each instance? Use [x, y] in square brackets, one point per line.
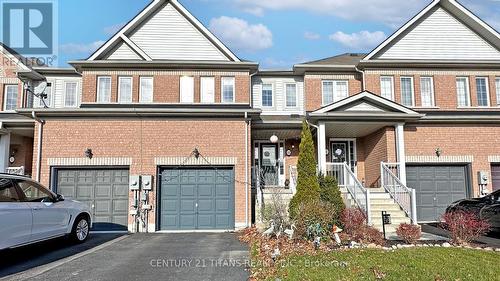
[402, 195]
[347, 179]
[293, 179]
[266, 176]
[15, 170]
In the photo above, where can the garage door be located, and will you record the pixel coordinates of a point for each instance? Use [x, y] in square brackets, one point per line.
[105, 191]
[197, 199]
[495, 177]
[436, 187]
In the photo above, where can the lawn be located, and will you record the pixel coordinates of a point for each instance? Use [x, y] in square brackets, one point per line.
[405, 264]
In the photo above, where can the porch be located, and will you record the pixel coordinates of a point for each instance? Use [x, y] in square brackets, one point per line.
[16, 144]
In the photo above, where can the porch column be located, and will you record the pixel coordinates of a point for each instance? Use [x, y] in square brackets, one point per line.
[400, 151]
[4, 152]
[322, 147]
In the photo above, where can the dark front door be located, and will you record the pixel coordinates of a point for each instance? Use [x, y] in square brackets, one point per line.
[495, 177]
[269, 168]
[197, 199]
[436, 187]
[105, 191]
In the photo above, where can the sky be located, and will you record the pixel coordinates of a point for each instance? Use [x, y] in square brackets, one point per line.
[275, 33]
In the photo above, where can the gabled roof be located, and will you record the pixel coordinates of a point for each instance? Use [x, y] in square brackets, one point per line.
[366, 104]
[343, 59]
[121, 38]
[465, 16]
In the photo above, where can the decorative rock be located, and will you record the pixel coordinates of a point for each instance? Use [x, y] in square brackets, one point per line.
[387, 248]
[371, 246]
[497, 250]
[394, 247]
[446, 245]
[399, 246]
[437, 245]
[478, 248]
[488, 249]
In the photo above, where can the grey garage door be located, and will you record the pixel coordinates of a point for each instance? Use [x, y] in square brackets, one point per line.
[105, 191]
[436, 187]
[197, 199]
[495, 177]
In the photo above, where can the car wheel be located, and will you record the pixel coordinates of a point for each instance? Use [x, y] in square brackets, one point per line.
[81, 229]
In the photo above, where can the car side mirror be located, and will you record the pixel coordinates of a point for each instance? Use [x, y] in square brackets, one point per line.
[59, 197]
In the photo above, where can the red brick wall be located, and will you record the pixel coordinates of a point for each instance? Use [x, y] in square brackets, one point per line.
[8, 69]
[143, 141]
[22, 150]
[480, 141]
[313, 91]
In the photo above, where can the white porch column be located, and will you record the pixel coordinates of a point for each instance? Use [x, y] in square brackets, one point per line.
[322, 147]
[400, 151]
[4, 152]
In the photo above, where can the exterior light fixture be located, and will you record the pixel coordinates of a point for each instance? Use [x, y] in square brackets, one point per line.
[438, 152]
[196, 153]
[274, 139]
[88, 153]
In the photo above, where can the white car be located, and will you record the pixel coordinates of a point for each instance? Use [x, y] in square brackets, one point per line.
[31, 213]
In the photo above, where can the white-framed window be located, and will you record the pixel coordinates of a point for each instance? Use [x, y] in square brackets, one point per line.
[125, 86]
[291, 95]
[482, 91]
[463, 93]
[48, 100]
[227, 89]
[497, 87]
[187, 89]
[334, 90]
[387, 87]
[207, 89]
[104, 89]
[10, 97]
[427, 91]
[267, 97]
[407, 91]
[70, 94]
[146, 90]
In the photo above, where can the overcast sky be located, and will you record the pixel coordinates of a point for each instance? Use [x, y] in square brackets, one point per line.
[275, 33]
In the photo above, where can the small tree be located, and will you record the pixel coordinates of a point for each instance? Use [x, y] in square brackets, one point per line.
[330, 194]
[307, 181]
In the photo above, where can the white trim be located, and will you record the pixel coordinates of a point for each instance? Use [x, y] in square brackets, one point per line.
[412, 90]
[494, 158]
[355, 150]
[400, 151]
[65, 93]
[152, 89]
[335, 97]
[442, 159]
[14, 58]
[272, 96]
[487, 91]
[16, 86]
[175, 161]
[183, 92]
[96, 161]
[146, 13]
[212, 101]
[321, 134]
[98, 96]
[285, 84]
[392, 86]
[222, 89]
[368, 96]
[279, 144]
[433, 99]
[136, 48]
[131, 89]
[497, 90]
[467, 87]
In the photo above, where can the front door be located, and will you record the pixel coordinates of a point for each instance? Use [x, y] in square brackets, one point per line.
[269, 166]
[344, 151]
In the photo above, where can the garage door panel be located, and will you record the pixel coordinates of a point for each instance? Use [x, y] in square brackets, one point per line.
[427, 186]
[188, 205]
[103, 191]
[187, 177]
[426, 200]
[120, 190]
[222, 221]
[206, 205]
[187, 221]
[206, 190]
[206, 221]
[120, 206]
[222, 205]
[495, 177]
[84, 191]
[188, 190]
[206, 176]
[171, 190]
[169, 206]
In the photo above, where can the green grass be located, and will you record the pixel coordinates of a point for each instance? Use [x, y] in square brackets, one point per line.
[406, 264]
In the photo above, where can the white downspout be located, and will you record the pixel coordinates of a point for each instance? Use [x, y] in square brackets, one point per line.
[247, 126]
[39, 151]
[363, 86]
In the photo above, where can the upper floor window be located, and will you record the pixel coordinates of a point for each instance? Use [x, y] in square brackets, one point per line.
[407, 91]
[70, 94]
[125, 89]
[104, 89]
[207, 89]
[387, 87]
[48, 99]
[146, 89]
[187, 89]
[10, 97]
[267, 95]
[483, 98]
[427, 91]
[291, 95]
[463, 94]
[227, 87]
[334, 90]
[497, 87]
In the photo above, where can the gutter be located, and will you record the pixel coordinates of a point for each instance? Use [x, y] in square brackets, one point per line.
[39, 151]
[363, 86]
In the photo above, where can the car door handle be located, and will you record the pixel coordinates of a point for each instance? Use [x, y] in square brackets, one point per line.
[36, 208]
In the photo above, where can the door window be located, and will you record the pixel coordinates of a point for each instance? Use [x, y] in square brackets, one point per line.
[34, 192]
[8, 191]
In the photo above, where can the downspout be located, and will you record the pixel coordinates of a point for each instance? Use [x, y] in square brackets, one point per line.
[39, 151]
[247, 126]
[363, 82]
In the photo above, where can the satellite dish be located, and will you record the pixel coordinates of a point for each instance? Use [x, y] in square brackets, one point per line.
[41, 88]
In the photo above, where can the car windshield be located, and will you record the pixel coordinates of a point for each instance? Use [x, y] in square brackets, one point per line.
[34, 192]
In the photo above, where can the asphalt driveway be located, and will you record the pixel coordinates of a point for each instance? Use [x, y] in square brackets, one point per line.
[193, 257]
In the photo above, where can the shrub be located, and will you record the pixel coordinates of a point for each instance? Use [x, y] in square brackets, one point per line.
[369, 234]
[409, 233]
[312, 213]
[464, 227]
[307, 180]
[330, 194]
[352, 219]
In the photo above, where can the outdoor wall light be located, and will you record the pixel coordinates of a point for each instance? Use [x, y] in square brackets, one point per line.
[88, 153]
[274, 139]
[438, 152]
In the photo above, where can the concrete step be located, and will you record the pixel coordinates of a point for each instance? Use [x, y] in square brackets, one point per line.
[382, 201]
[380, 195]
[394, 221]
[384, 207]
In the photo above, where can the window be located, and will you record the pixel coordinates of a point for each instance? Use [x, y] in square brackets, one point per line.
[334, 91]
[10, 97]
[463, 96]
[187, 89]
[267, 95]
[146, 89]
[407, 91]
[387, 87]
[291, 95]
[70, 94]
[103, 89]
[207, 89]
[8, 191]
[125, 89]
[497, 87]
[48, 100]
[227, 89]
[34, 192]
[483, 98]
[427, 91]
